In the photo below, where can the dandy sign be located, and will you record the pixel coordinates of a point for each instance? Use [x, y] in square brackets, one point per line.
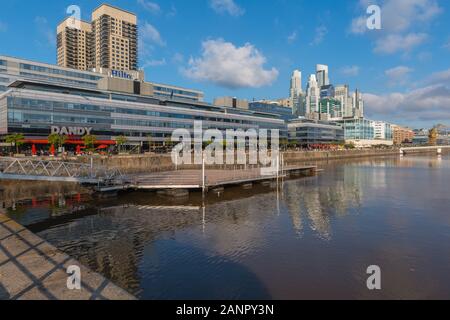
[71, 131]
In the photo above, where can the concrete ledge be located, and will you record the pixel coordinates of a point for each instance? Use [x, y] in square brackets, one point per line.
[32, 269]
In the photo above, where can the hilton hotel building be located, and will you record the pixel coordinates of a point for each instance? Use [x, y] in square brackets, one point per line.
[36, 98]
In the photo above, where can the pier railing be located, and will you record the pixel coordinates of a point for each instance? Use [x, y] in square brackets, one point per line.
[55, 170]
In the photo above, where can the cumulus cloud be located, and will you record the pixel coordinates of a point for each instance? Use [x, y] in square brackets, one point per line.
[431, 102]
[398, 43]
[226, 65]
[398, 75]
[151, 35]
[350, 71]
[402, 21]
[151, 7]
[227, 6]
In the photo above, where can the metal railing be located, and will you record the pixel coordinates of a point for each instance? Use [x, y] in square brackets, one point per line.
[59, 169]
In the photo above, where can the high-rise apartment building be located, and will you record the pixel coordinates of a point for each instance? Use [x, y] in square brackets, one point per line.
[322, 75]
[358, 104]
[116, 38]
[341, 93]
[110, 41]
[75, 44]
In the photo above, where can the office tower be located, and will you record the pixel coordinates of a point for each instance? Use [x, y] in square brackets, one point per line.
[341, 93]
[296, 93]
[75, 44]
[358, 104]
[312, 95]
[115, 37]
[322, 75]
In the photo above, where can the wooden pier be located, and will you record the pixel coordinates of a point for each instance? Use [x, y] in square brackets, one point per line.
[212, 179]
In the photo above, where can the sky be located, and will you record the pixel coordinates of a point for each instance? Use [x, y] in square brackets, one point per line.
[249, 48]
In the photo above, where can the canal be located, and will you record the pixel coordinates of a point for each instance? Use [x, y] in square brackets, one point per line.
[314, 237]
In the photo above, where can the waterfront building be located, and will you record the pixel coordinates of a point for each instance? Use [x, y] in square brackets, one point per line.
[304, 132]
[273, 108]
[12, 69]
[402, 135]
[37, 109]
[361, 132]
[231, 102]
[322, 75]
[75, 44]
[382, 130]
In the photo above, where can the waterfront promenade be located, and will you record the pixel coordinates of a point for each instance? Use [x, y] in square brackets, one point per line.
[32, 269]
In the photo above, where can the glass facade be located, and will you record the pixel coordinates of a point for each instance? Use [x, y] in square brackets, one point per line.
[33, 112]
[308, 132]
[358, 129]
[283, 112]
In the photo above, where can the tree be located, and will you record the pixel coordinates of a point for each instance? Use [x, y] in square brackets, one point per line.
[89, 141]
[121, 140]
[57, 140]
[432, 137]
[16, 139]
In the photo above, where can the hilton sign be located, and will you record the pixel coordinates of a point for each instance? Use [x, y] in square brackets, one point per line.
[71, 131]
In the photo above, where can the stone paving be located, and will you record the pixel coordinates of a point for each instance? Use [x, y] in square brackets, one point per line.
[32, 269]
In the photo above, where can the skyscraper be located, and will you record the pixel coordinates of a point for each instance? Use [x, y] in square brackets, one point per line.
[296, 93]
[110, 41]
[115, 34]
[341, 93]
[75, 44]
[322, 75]
[312, 95]
[358, 104]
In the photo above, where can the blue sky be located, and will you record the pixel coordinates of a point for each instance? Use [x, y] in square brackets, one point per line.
[249, 48]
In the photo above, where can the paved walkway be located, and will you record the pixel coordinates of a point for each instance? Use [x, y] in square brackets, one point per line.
[32, 269]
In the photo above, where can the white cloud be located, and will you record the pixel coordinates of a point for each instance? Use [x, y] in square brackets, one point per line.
[226, 65]
[398, 43]
[430, 103]
[321, 32]
[398, 76]
[178, 58]
[3, 27]
[292, 37]
[402, 23]
[227, 6]
[152, 7]
[151, 35]
[155, 63]
[350, 71]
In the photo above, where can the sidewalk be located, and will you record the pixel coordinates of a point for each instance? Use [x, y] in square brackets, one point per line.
[32, 269]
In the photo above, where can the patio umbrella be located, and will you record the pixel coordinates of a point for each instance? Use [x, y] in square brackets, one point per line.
[33, 150]
[52, 150]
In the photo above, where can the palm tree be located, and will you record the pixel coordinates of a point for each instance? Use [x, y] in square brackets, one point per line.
[89, 141]
[57, 140]
[16, 139]
[121, 140]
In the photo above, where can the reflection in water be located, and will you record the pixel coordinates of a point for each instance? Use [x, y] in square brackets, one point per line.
[313, 237]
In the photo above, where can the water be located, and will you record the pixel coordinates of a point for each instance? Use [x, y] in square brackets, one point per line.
[314, 238]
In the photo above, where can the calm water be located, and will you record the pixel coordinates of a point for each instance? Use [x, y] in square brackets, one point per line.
[314, 238]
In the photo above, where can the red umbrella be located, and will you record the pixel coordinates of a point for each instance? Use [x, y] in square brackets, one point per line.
[52, 150]
[78, 151]
[103, 146]
[33, 150]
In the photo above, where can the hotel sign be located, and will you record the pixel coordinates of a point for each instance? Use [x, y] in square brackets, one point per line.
[121, 74]
[71, 131]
